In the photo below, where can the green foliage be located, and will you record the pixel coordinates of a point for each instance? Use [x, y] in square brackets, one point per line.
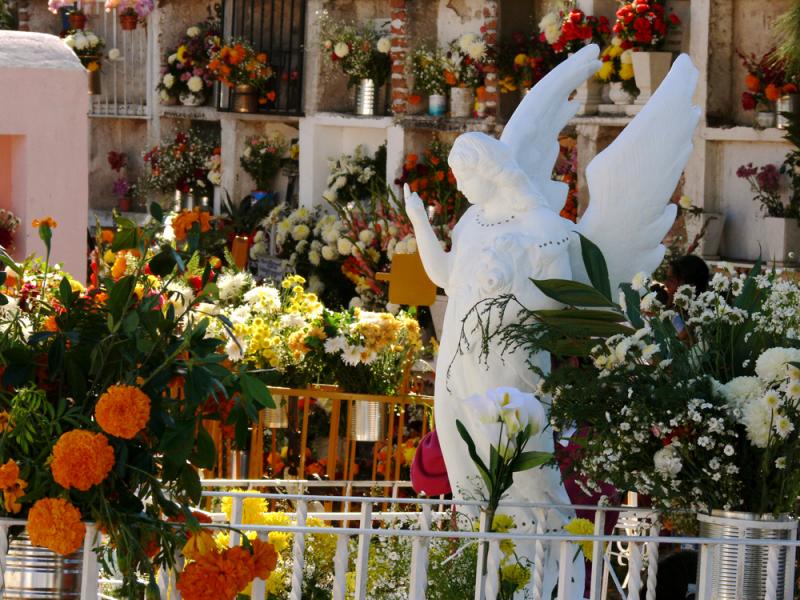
[7, 18]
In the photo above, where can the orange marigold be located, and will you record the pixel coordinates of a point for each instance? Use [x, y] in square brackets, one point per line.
[264, 557]
[207, 579]
[183, 222]
[12, 494]
[81, 459]
[9, 473]
[49, 221]
[122, 411]
[56, 524]
[240, 565]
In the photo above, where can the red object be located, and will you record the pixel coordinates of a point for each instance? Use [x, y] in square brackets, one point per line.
[428, 471]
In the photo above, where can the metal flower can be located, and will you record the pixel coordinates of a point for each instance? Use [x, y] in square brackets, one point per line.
[245, 99]
[739, 572]
[34, 572]
[366, 421]
[276, 418]
[462, 101]
[365, 98]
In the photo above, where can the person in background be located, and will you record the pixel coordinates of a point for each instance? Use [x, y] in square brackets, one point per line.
[686, 270]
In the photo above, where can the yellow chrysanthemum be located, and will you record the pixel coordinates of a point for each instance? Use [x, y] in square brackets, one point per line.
[582, 527]
[626, 71]
[253, 509]
[606, 71]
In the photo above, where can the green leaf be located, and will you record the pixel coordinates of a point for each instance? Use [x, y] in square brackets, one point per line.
[65, 291]
[473, 453]
[205, 455]
[572, 293]
[157, 212]
[190, 481]
[119, 295]
[530, 460]
[131, 322]
[163, 263]
[125, 239]
[254, 389]
[9, 262]
[575, 326]
[749, 293]
[566, 314]
[596, 266]
[632, 302]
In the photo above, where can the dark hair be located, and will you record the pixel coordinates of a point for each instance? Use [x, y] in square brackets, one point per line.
[662, 295]
[691, 270]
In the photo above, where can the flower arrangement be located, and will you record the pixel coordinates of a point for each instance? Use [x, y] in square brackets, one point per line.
[570, 30]
[94, 430]
[359, 51]
[183, 164]
[428, 68]
[123, 189]
[430, 176]
[238, 63]
[262, 158]
[88, 46]
[137, 8]
[353, 177]
[524, 61]
[9, 224]
[644, 24]
[765, 81]
[618, 66]
[566, 171]
[765, 183]
[186, 69]
[464, 61]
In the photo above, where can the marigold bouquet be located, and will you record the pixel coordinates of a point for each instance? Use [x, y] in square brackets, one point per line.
[570, 30]
[238, 63]
[359, 51]
[644, 24]
[186, 68]
[262, 158]
[765, 81]
[428, 68]
[183, 164]
[104, 392]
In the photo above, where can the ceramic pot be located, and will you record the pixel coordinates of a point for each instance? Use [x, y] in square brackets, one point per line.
[34, 572]
[365, 98]
[462, 101]
[437, 105]
[740, 572]
[125, 204]
[649, 70]
[77, 20]
[765, 119]
[366, 421]
[245, 99]
[618, 94]
[193, 99]
[790, 103]
[128, 22]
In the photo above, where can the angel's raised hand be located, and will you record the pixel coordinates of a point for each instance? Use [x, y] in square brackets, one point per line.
[415, 209]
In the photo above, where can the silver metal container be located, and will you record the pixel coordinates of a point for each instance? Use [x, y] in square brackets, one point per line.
[276, 418]
[238, 462]
[462, 101]
[790, 103]
[366, 421]
[739, 572]
[34, 572]
[365, 98]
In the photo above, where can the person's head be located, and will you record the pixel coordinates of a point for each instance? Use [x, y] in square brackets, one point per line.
[687, 270]
[481, 164]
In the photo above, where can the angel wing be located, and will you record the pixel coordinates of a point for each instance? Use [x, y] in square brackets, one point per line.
[630, 182]
[532, 132]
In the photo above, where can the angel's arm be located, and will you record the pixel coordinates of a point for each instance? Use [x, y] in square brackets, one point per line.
[435, 260]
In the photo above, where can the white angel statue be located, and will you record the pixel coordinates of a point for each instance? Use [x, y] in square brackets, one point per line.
[513, 232]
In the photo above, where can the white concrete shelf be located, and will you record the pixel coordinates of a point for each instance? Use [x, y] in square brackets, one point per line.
[328, 119]
[742, 134]
[602, 120]
[195, 113]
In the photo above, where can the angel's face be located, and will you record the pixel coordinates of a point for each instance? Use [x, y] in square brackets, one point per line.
[475, 188]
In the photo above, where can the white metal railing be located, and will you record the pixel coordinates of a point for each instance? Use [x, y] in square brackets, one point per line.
[642, 550]
[126, 83]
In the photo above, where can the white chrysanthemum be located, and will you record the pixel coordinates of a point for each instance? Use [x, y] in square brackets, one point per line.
[81, 43]
[351, 355]
[314, 258]
[626, 58]
[780, 463]
[793, 389]
[355, 302]
[757, 419]
[330, 195]
[169, 80]
[230, 285]
[180, 296]
[235, 349]
[344, 246]
[477, 50]
[339, 183]
[740, 391]
[341, 49]
[172, 58]
[783, 426]
[292, 321]
[773, 365]
[335, 344]
[300, 232]
[667, 462]
[195, 84]
[193, 31]
[264, 298]
[366, 236]
[329, 253]
[114, 54]
[772, 399]
[465, 41]
[92, 39]
[639, 281]
[392, 308]
[384, 45]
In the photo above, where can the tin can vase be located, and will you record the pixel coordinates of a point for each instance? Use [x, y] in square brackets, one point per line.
[34, 572]
[245, 99]
[739, 572]
[437, 105]
[765, 119]
[77, 20]
[128, 22]
[276, 418]
[239, 250]
[785, 107]
[462, 101]
[366, 421]
[365, 97]
[95, 86]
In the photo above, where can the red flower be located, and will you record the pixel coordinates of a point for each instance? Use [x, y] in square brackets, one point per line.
[748, 101]
[674, 19]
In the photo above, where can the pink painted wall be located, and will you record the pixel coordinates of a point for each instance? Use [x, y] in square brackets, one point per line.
[44, 143]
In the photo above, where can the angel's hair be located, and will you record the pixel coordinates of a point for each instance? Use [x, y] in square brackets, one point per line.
[477, 154]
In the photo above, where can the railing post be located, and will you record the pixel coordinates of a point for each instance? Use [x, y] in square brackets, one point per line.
[634, 571]
[491, 587]
[340, 563]
[538, 557]
[704, 574]
[479, 580]
[652, 562]
[565, 569]
[298, 553]
[259, 585]
[419, 557]
[598, 556]
[3, 546]
[791, 556]
[236, 520]
[772, 573]
[89, 576]
[362, 558]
